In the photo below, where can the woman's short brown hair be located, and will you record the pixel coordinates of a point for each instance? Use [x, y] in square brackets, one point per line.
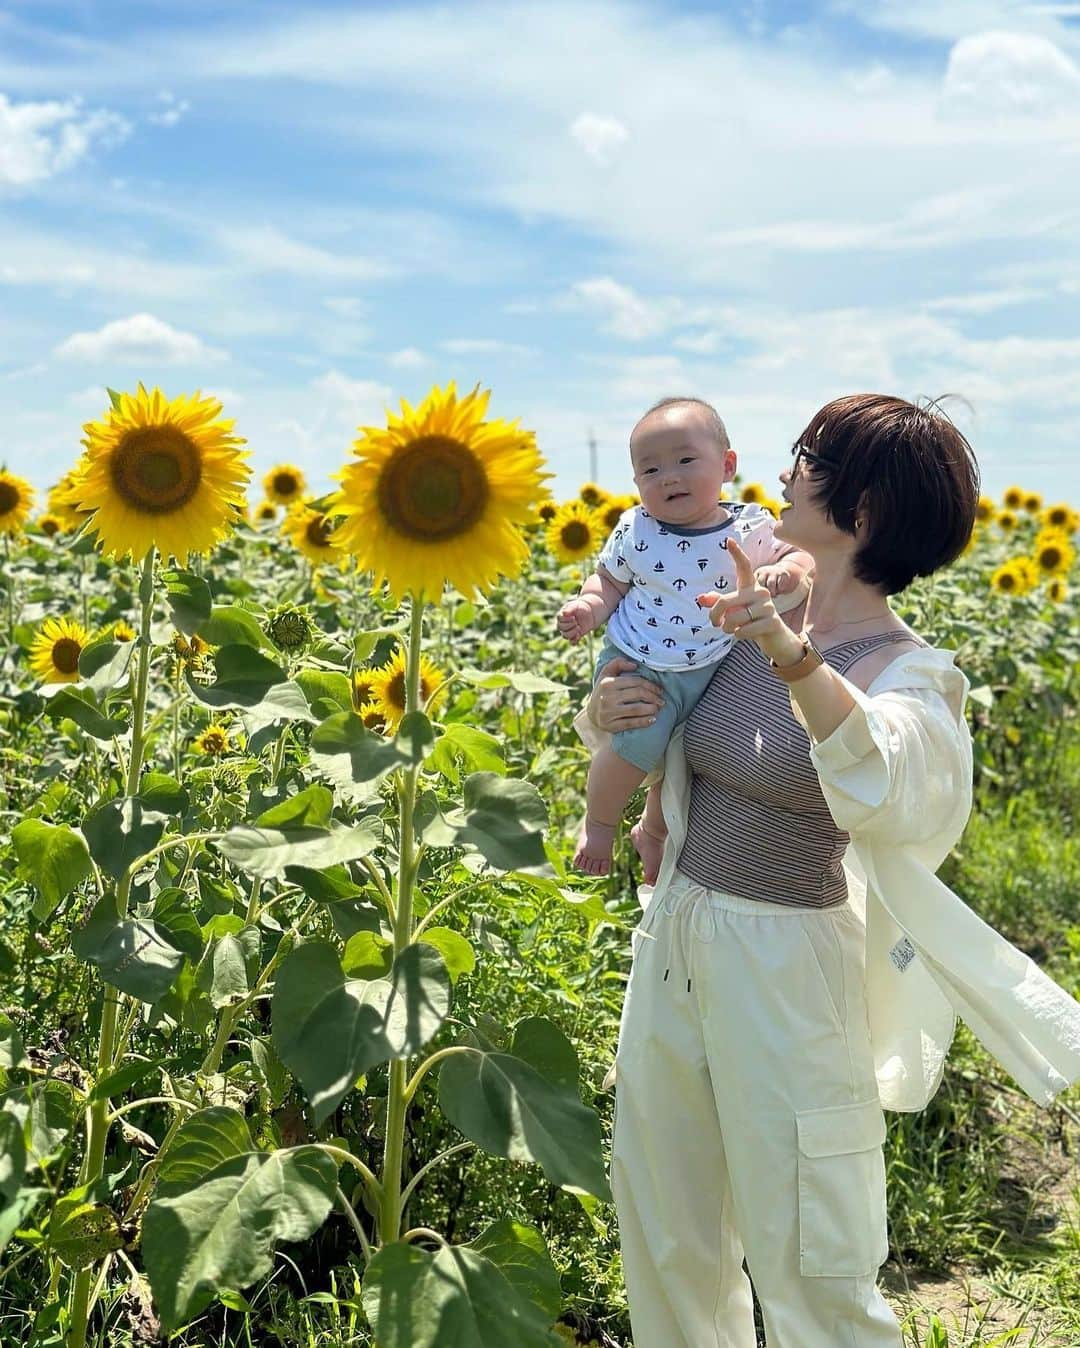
[906, 471]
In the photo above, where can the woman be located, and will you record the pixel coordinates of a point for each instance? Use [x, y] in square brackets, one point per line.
[799, 967]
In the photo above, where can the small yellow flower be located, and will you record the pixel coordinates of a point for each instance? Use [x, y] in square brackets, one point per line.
[389, 686]
[1057, 591]
[1032, 502]
[592, 495]
[575, 533]
[362, 688]
[984, 511]
[546, 511]
[1014, 497]
[16, 499]
[1058, 517]
[55, 651]
[311, 532]
[613, 509]
[773, 507]
[265, 510]
[1012, 734]
[1007, 519]
[1053, 554]
[753, 493]
[213, 742]
[50, 524]
[123, 631]
[373, 716]
[284, 484]
[1028, 573]
[1006, 580]
[63, 502]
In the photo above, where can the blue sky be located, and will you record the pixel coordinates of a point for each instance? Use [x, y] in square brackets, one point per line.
[311, 211]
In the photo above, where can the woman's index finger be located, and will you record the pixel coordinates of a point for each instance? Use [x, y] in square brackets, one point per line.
[744, 572]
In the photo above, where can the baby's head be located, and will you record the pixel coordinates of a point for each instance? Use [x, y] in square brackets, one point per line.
[682, 457]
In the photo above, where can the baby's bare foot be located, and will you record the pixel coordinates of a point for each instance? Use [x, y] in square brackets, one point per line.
[595, 841]
[650, 849]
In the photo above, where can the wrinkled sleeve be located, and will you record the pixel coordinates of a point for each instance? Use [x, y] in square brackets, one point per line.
[898, 767]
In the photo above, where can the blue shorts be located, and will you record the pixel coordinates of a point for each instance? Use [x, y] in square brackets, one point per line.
[682, 688]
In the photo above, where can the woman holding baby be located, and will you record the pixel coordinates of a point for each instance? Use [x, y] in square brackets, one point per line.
[799, 967]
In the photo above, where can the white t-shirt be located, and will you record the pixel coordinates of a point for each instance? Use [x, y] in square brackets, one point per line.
[667, 567]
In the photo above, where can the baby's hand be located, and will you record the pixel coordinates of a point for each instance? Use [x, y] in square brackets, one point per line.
[777, 579]
[576, 618]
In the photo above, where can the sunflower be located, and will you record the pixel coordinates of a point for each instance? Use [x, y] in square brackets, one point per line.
[1057, 591]
[49, 524]
[213, 742]
[265, 510]
[162, 474]
[1014, 497]
[55, 651]
[373, 716]
[284, 484]
[1053, 554]
[63, 501]
[753, 493]
[1032, 502]
[388, 686]
[592, 495]
[546, 511]
[613, 509]
[984, 510]
[311, 531]
[122, 631]
[1027, 572]
[16, 498]
[439, 495]
[773, 507]
[1005, 580]
[575, 532]
[1007, 519]
[362, 688]
[1058, 516]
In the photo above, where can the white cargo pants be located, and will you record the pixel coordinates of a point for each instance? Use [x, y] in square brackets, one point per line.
[748, 1122]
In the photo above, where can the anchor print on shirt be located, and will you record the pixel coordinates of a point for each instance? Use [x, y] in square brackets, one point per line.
[670, 641]
[641, 546]
[683, 544]
[679, 583]
[678, 620]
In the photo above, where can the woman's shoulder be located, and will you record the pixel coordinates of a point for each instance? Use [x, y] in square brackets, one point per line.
[862, 659]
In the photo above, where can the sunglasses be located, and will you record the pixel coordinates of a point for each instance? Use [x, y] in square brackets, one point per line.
[801, 453]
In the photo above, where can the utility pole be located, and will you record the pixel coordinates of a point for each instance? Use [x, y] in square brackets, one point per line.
[592, 457]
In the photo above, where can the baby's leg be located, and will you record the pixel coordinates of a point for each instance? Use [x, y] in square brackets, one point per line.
[612, 781]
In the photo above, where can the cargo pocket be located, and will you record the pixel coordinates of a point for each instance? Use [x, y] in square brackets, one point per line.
[842, 1231]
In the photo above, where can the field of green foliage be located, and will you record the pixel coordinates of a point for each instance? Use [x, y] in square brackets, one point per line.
[303, 1016]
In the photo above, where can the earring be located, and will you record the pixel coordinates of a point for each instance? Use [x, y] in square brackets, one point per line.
[858, 524]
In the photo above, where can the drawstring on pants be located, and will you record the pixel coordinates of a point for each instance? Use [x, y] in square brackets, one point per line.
[688, 908]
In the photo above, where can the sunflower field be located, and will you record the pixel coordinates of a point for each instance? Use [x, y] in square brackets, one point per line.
[304, 1018]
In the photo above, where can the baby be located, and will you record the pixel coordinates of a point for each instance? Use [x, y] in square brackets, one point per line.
[660, 556]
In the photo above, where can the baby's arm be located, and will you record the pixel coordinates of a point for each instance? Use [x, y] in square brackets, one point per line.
[786, 572]
[598, 599]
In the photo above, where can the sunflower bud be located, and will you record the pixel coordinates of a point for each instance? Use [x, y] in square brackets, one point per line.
[290, 629]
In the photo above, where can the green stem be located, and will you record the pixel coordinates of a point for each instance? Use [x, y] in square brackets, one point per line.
[394, 1148]
[97, 1128]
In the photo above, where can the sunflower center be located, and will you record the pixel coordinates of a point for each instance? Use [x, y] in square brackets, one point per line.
[156, 469]
[433, 489]
[1057, 517]
[9, 497]
[575, 534]
[285, 483]
[65, 655]
[1050, 557]
[395, 690]
[318, 532]
[1007, 582]
[48, 526]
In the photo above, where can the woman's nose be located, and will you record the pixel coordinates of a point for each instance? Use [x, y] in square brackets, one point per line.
[785, 475]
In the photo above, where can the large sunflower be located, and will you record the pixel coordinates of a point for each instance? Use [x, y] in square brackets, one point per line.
[16, 499]
[575, 532]
[1053, 554]
[162, 474]
[388, 686]
[311, 531]
[55, 651]
[440, 495]
[284, 484]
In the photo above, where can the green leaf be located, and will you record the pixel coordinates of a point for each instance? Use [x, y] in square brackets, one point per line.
[104, 664]
[15, 1214]
[121, 830]
[350, 755]
[229, 625]
[226, 970]
[189, 601]
[133, 954]
[521, 1255]
[217, 1231]
[451, 1299]
[116, 1083]
[80, 705]
[457, 953]
[174, 917]
[478, 748]
[329, 1028]
[267, 852]
[326, 685]
[504, 820]
[310, 808]
[524, 1105]
[12, 1051]
[508, 678]
[81, 1233]
[367, 955]
[159, 791]
[332, 885]
[51, 1118]
[54, 858]
[12, 1155]
[248, 681]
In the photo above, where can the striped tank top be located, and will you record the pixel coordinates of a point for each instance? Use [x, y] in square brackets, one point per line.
[757, 823]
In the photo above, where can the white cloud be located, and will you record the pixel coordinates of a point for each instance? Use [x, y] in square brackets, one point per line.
[140, 338]
[624, 313]
[361, 400]
[172, 110]
[875, 79]
[485, 346]
[265, 248]
[347, 305]
[600, 137]
[984, 302]
[700, 344]
[40, 140]
[1007, 75]
[408, 358]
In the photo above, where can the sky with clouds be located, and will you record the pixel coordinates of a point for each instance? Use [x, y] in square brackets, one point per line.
[314, 210]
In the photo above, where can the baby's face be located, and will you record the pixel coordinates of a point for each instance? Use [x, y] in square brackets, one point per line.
[679, 469]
